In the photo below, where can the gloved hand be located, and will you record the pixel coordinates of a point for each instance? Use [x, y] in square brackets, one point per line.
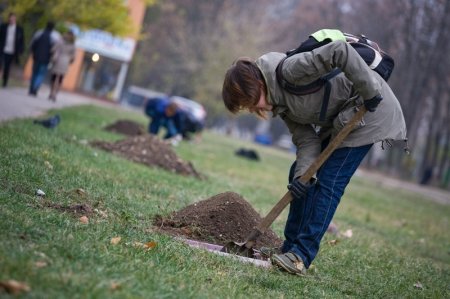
[298, 189]
[371, 104]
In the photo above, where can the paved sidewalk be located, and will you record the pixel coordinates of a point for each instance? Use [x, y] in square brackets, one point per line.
[426, 192]
[16, 103]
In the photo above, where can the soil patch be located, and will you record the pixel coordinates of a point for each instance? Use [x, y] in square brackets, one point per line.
[222, 218]
[126, 127]
[77, 209]
[149, 150]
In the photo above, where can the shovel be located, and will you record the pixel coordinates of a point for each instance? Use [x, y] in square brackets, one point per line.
[246, 248]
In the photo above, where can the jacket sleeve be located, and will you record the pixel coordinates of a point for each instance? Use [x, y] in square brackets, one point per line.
[20, 40]
[304, 68]
[307, 142]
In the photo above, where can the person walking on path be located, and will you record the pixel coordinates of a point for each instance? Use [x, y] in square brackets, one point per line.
[63, 55]
[41, 48]
[252, 85]
[11, 45]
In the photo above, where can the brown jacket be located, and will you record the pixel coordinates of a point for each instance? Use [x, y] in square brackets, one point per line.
[349, 89]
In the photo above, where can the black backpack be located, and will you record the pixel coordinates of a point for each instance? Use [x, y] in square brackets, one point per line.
[370, 52]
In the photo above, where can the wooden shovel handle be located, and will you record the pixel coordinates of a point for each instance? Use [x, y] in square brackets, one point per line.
[287, 198]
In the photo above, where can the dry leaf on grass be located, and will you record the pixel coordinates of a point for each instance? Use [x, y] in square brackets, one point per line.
[114, 286]
[40, 264]
[150, 245]
[333, 242]
[40, 193]
[348, 233]
[84, 219]
[101, 213]
[14, 287]
[48, 165]
[146, 246]
[116, 240]
[80, 191]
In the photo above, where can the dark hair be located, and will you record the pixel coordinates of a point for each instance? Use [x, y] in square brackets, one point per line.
[50, 26]
[69, 36]
[242, 86]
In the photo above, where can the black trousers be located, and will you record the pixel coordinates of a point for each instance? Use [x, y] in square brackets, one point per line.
[7, 60]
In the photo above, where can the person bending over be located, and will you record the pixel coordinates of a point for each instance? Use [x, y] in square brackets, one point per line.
[252, 85]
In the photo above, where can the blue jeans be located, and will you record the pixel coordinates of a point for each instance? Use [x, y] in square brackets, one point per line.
[38, 76]
[162, 121]
[308, 219]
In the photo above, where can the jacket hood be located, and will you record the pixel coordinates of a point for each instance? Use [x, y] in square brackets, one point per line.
[268, 64]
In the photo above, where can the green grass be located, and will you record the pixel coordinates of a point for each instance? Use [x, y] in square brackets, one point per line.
[399, 239]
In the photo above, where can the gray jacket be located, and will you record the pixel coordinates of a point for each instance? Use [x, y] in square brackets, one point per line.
[63, 56]
[349, 89]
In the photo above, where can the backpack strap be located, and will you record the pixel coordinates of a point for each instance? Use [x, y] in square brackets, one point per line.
[327, 92]
[308, 88]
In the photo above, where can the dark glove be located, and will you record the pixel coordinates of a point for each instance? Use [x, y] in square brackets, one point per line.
[371, 104]
[298, 189]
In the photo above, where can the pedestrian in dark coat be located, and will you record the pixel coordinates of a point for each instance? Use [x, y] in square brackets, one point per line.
[41, 49]
[11, 45]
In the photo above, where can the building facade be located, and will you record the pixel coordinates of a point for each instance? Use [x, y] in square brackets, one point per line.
[102, 59]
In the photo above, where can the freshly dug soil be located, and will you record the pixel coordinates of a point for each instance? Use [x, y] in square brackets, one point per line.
[222, 218]
[126, 127]
[151, 151]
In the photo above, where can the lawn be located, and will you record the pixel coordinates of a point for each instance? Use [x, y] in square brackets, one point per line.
[399, 248]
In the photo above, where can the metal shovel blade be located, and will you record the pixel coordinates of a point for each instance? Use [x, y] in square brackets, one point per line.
[239, 249]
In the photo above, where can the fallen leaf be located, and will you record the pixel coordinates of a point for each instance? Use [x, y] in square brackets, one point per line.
[147, 246]
[40, 264]
[80, 191]
[333, 242]
[48, 165]
[418, 285]
[101, 213]
[150, 245]
[116, 240]
[40, 193]
[348, 233]
[137, 244]
[14, 287]
[84, 219]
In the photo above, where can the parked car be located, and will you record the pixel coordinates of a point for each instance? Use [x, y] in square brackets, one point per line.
[136, 96]
[194, 108]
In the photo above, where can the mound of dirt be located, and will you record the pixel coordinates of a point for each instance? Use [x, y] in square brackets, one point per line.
[126, 127]
[222, 218]
[151, 151]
